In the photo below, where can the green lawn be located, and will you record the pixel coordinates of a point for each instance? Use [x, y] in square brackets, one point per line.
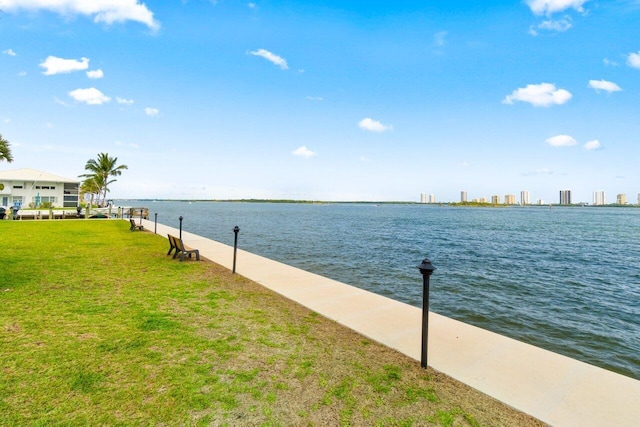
[99, 326]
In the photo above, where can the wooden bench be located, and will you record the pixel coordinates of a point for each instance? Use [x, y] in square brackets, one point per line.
[172, 244]
[177, 244]
[135, 226]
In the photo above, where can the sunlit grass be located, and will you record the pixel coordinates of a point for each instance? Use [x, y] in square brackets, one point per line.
[99, 327]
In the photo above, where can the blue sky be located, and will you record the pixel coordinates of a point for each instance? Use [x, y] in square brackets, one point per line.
[324, 100]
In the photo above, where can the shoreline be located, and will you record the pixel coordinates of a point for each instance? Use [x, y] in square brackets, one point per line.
[366, 202]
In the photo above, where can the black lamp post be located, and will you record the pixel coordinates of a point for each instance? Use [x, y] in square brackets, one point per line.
[180, 226]
[140, 216]
[155, 226]
[236, 229]
[426, 268]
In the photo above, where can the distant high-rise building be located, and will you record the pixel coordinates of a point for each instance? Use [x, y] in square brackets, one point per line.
[509, 199]
[621, 199]
[639, 198]
[524, 198]
[482, 200]
[495, 200]
[539, 202]
[598, 198]
[463, 196]
[432, 198]
[565, 197]
[423, 197]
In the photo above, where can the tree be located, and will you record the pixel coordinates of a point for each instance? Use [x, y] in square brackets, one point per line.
[102, 168]
[92, 187]
[5, 150]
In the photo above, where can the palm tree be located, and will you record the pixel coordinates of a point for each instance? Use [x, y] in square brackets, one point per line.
[5, 150]
[102, 168]
[92, 187]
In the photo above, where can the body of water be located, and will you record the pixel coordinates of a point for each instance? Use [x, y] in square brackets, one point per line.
[566, 279]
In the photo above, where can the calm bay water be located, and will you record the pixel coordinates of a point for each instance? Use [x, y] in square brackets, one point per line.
[565, 279]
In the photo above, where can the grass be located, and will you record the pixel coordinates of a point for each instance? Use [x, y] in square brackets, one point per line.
[99, 326]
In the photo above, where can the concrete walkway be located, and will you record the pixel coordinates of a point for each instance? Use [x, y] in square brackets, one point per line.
[553, 388]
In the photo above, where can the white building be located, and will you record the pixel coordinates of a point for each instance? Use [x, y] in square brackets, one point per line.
[28, 187]
[565, 197]
[423, 197]
[599, 198]
[509, 199]
[524, 198]
[432, 198]
[463, 196]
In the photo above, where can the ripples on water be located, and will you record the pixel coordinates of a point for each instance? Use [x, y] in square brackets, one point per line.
[565, 279]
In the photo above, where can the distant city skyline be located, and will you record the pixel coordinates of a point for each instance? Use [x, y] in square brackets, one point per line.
[565, 198]
[327, 100]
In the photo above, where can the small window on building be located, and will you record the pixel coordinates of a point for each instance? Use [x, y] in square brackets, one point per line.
[17, 186]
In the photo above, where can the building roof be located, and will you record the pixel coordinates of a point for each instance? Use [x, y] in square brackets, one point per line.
[33, 175]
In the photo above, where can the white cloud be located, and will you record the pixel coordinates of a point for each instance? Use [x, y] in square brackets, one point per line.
[439, 38]
[315, 98]
[540, 95]
[560, 25]
[124, 101]
[106, 11]
[633, 60]
[60, 102]
[609, 63]
[304, 152]
[548, 7]
[599, 85]
[54, 65]
[271, 57]
[593, 145]
[9, 52]
[373, 125]
[562, 141]
[91, 96]
[151, 112]
[22, 73]
[131, 144]
[95, 74]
